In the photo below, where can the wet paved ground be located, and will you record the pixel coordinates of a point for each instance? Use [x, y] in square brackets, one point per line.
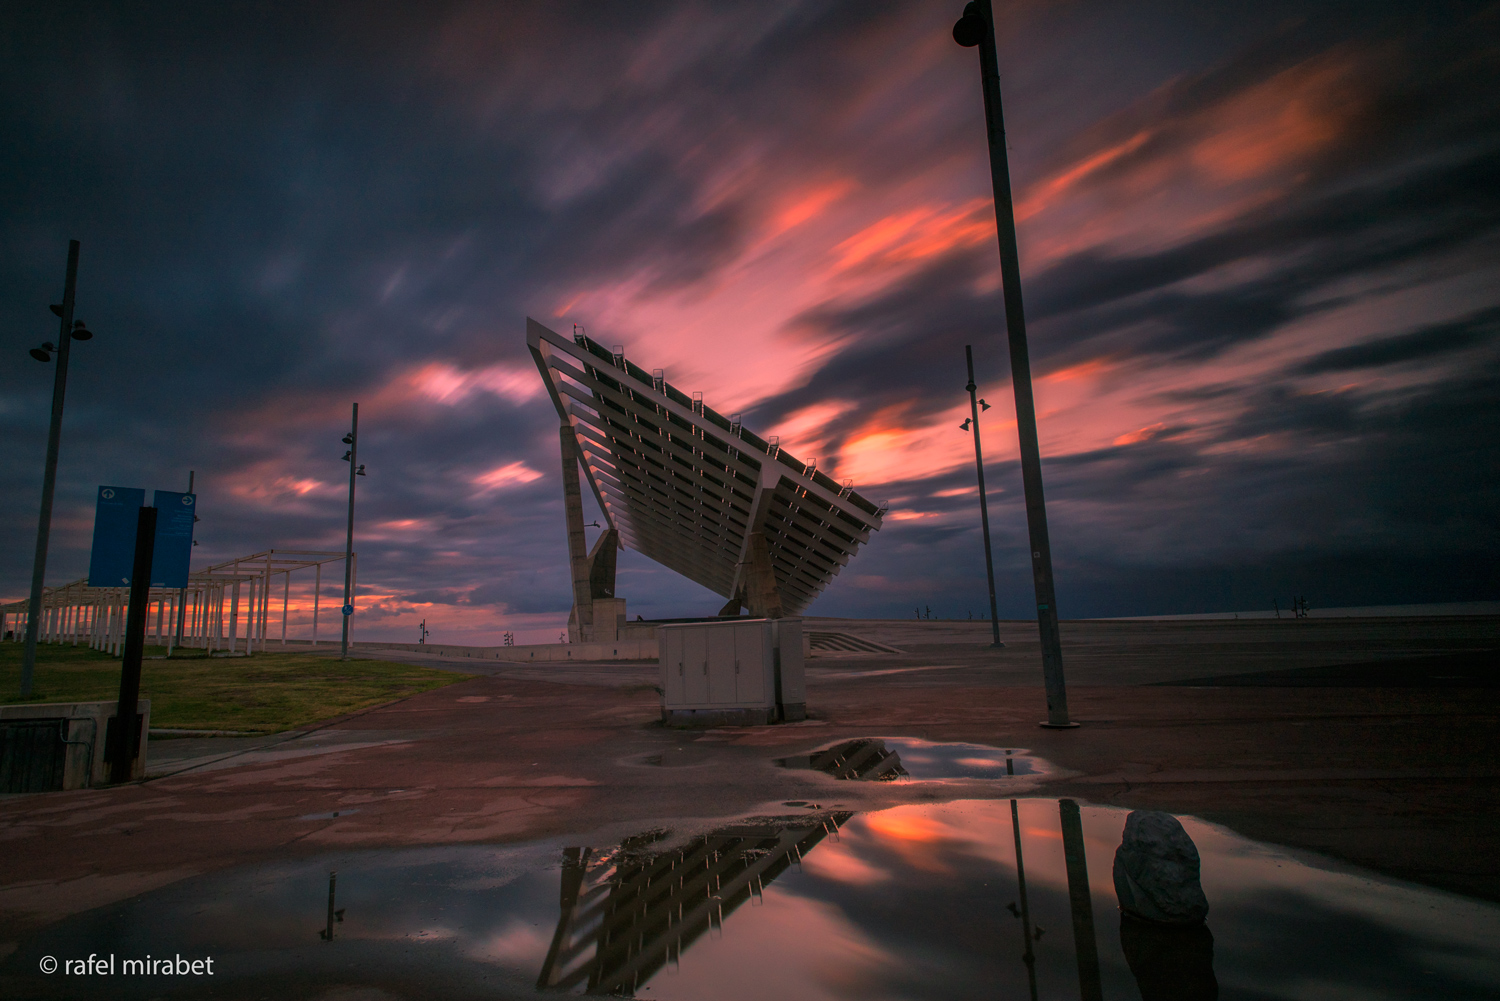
[1403, 780]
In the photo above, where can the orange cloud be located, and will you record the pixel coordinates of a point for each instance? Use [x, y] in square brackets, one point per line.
[804, 432]
[808, 204]
[1045, 192]
[907, 514]
[918, 233]
[1140, 435]
[1159, 174]
[889, 448]
[1280, 122]
[1082, 370]
[443, 383]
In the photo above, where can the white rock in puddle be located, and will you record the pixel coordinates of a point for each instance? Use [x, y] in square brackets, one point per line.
[1156, 870]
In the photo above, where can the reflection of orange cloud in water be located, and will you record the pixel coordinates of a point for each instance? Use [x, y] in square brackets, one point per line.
[915, 836]
[905, 825]
[838, 863]
[846, 962]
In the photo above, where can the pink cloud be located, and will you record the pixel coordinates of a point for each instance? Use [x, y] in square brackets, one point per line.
[512, 474]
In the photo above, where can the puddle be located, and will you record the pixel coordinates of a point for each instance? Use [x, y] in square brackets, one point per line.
[915, 901]
[889, 759]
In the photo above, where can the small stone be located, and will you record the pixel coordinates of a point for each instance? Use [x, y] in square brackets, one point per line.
[1157, 870]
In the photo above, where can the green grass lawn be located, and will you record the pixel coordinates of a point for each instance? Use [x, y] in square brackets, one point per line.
[263, 694]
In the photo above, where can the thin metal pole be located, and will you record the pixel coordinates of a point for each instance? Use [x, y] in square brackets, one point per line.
[182, 595]
[317, 589]
[49, 474]
[1020, 370]
[984, 507]
[286, 591]
[349, 542]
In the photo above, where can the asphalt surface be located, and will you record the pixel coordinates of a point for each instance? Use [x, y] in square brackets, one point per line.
[1400, 779]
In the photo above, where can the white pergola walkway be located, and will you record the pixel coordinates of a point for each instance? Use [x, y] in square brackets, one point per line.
[210, 606]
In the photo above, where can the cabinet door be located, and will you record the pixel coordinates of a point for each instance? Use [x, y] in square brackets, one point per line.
[750, 655]
[695, 667]
[722, 667]
[673, 670]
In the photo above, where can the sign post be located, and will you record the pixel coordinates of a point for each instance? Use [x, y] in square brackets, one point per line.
[127, 727]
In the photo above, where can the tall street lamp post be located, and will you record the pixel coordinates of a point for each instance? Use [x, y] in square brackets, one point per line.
[355, 469]
[68, 333]
[977, 28]
[984, 507]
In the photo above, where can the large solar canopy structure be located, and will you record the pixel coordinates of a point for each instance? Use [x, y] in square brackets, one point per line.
[690, 488]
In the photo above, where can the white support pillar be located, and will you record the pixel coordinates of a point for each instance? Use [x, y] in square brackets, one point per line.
[234, 618]
[265, 605]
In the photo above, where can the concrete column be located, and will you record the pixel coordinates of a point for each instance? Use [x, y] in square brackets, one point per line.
[581, 621]
[762, 596]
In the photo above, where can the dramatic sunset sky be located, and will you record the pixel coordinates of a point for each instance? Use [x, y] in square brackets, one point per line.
[1259, 245]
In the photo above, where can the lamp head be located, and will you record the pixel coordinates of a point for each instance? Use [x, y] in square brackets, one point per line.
[346, 456]
[970, 28]
[80, 332]
[360, 471]
[349, 438]
[56, 308]
[983, 406]
[42, 353]
[965, 425]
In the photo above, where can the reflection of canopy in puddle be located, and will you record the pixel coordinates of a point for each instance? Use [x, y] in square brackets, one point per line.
[886, 759]
[853, 759]
[637, 910]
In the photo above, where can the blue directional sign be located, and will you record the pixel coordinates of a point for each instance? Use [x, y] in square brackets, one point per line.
[113, 558]
[174, 538]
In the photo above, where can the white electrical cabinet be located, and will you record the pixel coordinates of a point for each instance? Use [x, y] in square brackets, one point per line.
[727, 671]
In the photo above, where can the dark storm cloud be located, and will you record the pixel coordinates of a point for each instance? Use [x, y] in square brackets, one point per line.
[1429, 342]
[286, 208]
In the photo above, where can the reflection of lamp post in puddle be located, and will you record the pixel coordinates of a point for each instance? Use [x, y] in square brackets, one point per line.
[1028, 957]
[326, 934]
[1089, 986]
